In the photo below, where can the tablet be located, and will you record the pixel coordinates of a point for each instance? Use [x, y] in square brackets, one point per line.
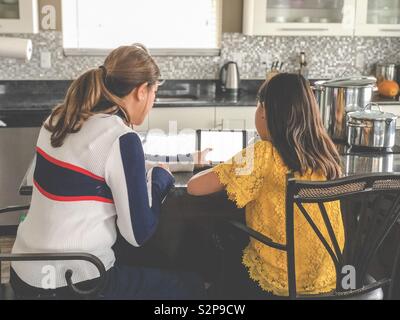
[224, 143]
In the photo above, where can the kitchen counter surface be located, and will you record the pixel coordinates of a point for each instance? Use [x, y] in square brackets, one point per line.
[14, 103]
[180, 206]
[36, 99]
[32, 110]
[19, 97]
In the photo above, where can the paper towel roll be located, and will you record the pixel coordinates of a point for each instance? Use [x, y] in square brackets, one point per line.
[16, 48]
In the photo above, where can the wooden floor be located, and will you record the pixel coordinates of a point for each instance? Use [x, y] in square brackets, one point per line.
[6, 244]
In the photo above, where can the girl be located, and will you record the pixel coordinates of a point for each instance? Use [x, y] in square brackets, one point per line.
[90, 178]
[292, 140]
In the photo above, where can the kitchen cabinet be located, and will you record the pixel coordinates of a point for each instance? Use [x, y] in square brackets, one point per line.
[19, 16]
[17, 147]
[235, 118]
[378, 18]
[299, 17]
[185, 118]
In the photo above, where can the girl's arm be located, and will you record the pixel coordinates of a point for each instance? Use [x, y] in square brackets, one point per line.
[204, 183]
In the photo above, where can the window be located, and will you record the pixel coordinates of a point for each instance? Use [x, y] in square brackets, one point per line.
[165, 26]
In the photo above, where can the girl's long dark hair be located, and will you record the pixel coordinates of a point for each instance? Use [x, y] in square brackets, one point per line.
[295, 126]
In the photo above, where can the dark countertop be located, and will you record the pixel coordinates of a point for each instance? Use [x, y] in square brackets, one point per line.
[14, 103]
[185, 206]
[45, 102]
[29, 103]
[43, 96]
[32, 110]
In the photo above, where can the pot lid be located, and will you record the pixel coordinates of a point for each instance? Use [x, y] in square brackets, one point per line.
[372, 115]
[353, 82]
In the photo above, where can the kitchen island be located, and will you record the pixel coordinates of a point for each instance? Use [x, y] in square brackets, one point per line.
[180, 205]
[192, 230]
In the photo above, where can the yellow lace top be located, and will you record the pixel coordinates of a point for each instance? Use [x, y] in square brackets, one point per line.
[258, 182]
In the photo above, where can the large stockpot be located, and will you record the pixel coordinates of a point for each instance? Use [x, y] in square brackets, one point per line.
[371, 128]
[366, 164]
[385, 71]
[338, 97]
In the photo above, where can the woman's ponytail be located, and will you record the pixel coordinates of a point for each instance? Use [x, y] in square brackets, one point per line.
[124, 69]
[82, 96]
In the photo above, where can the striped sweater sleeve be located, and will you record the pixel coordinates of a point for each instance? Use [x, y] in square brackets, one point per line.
[137, 196]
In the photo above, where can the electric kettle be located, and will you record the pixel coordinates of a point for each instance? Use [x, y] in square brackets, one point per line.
[230, 78]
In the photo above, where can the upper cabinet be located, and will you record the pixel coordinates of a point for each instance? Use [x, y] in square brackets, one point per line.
[299, 17]
[19, 16]
[378, 18]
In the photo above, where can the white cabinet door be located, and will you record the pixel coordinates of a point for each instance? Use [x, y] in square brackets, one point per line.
[17, 147]
[299, 18]
[19, 16]
[182, 118]
[235, 118]
[378, 18]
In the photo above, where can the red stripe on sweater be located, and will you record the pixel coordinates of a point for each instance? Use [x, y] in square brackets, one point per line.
[68, 165]
[70, 199]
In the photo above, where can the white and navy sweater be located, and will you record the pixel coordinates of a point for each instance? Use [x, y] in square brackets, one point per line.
[82, 191]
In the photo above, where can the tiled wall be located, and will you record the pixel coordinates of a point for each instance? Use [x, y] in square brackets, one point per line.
[327, 56]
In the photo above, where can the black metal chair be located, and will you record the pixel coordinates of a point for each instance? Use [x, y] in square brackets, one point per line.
[7, 292]
[370, 209]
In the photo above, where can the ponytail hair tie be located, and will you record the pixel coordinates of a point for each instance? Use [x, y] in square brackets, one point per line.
[104, 69]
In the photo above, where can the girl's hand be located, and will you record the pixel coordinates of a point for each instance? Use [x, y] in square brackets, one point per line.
[200, 158]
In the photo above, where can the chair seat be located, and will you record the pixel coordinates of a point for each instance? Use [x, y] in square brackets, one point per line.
[7, 292]
[376, 294]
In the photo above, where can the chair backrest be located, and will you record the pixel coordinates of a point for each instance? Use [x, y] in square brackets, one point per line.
[74, 291]
[370, 208]
[77, 256]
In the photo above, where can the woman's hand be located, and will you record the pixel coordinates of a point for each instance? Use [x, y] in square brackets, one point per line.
[199, 158]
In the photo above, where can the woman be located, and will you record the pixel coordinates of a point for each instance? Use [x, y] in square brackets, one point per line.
[293, 139]
[90, 178]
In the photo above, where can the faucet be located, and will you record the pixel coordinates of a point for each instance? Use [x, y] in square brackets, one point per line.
[303, 65]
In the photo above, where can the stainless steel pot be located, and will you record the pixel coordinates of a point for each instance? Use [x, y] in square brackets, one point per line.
[338, 97]
[371, 128]
[385, 71]
[359, 164]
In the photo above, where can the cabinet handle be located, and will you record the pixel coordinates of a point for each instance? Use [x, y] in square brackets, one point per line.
[390, 30]
[304, 29]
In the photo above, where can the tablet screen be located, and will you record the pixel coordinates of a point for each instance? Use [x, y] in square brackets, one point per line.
[225, 144]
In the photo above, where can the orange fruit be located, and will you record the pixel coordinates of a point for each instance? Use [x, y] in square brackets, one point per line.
[388, 88]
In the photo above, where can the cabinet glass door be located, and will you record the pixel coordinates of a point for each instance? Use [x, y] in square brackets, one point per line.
[383, 12]
[305, 11]
[9, 9]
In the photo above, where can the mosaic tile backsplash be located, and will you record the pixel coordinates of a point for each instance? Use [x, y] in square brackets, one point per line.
[327, 57]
